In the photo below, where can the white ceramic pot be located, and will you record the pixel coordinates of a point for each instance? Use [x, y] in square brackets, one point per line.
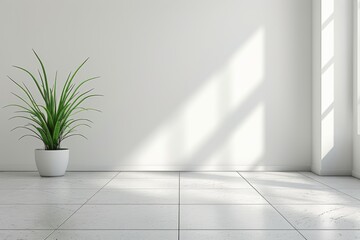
[52, 163]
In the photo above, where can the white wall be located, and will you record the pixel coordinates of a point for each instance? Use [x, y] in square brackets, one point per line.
[205, 84]
[332, 86]
[356, 93]
[316, 86]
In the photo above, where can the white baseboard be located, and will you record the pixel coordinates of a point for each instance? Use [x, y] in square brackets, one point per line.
[332, 172]
[315, 170]
[197, 168]
[169, 168]
[355, 174]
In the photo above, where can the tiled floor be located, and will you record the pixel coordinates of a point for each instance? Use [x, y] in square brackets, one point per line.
[173, 205]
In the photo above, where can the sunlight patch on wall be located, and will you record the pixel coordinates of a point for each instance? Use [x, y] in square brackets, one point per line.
[206, 111]
[248, 141]
[327, 89]
[246, 70]
[246, 144]
[327, 133]
[327, 77]
[358, 67]
[204, 117]
[327, 10]
[327, 43]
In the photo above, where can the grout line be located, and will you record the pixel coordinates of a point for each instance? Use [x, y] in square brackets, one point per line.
[179, 205]
[204, 204]
[272, 206]
[178, 230]
[175, 229]
[146, 178]
[82, 205]
[184, 204]
[337, 190]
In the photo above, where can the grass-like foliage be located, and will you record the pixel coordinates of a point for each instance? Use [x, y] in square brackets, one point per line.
[54, 119]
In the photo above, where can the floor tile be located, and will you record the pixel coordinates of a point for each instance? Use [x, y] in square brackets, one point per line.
[114, 235]
[90, 175]
[73, 183]
[144, 205]
[339, 182]
[34, 216]
[136, 196]
[305, 196]
[17, 183]
[212, 180]
[24, 234]
[331, 234]
[143, 183]
[191, 183]
[155, 175]
[231, 217]
[309, 174]
[76, 175]
[19, 175]
[322, 216]
[210, 175]
[221, 196]
[240, 234]
[355, 193]
[124, 217]
[46, 196]
[271, 175]
[58, 182]
[299, 183]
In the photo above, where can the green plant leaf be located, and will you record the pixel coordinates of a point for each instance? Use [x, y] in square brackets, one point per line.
[53, 120]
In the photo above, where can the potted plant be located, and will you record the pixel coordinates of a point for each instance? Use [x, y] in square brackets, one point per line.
[54, 118]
